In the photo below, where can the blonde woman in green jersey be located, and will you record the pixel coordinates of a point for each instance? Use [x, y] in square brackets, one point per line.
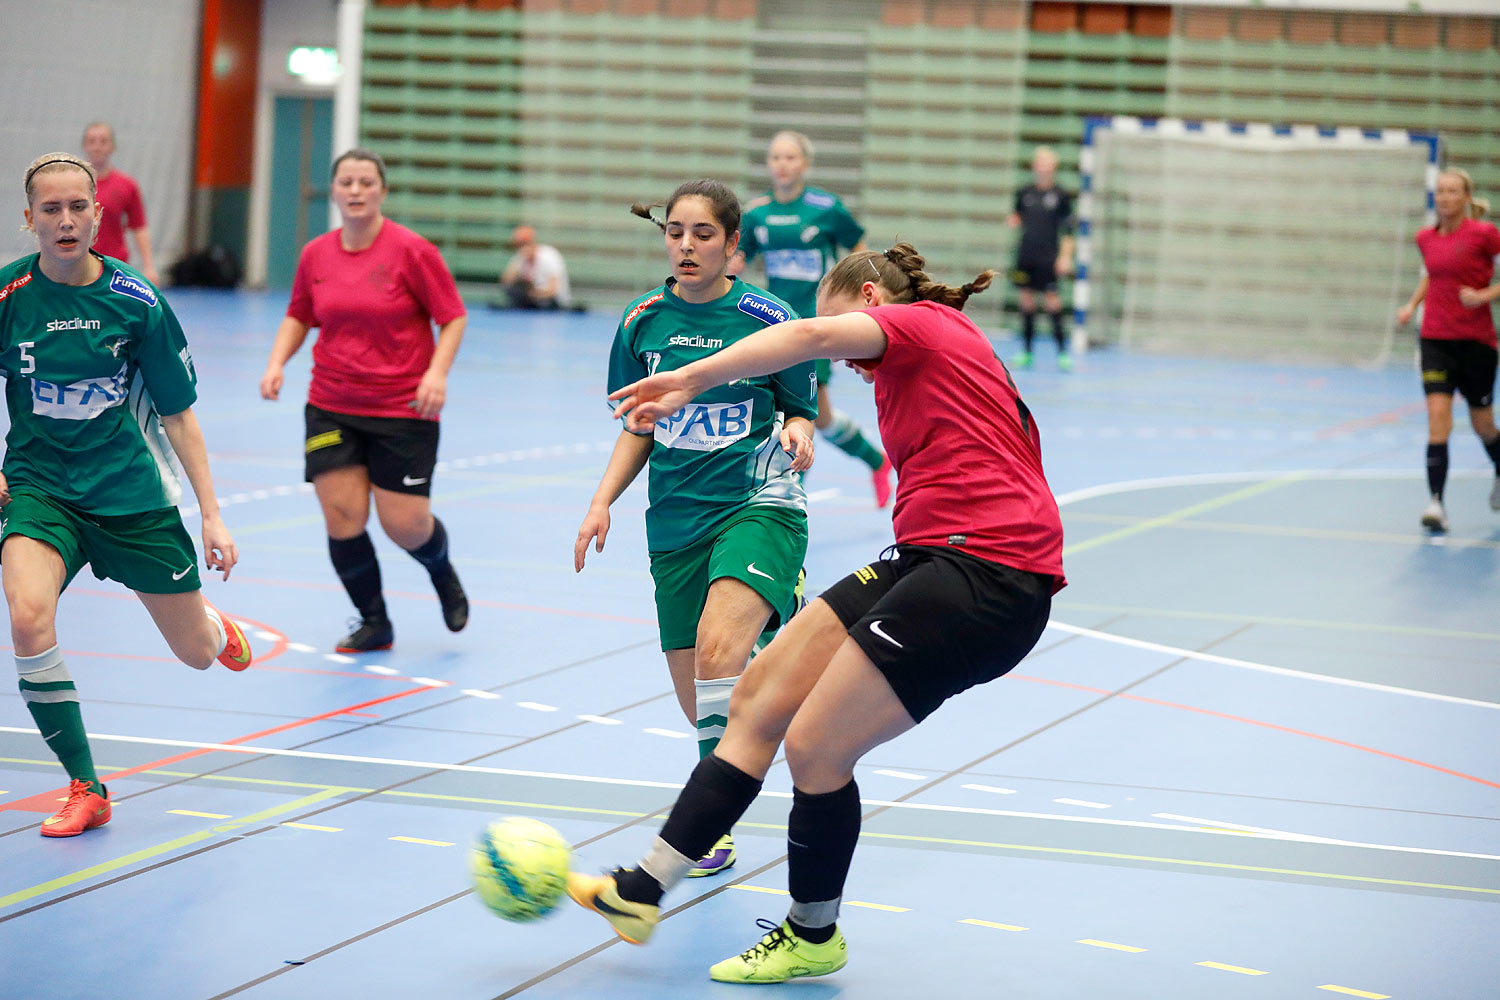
[798, 231]
[98, 384]
[727, 522]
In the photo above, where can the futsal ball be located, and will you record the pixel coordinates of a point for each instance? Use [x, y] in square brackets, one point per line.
[520, 867]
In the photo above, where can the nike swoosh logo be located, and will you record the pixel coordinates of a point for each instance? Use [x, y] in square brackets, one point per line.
[757, 572]
[875, 627]
[409, 481]
[179, 576]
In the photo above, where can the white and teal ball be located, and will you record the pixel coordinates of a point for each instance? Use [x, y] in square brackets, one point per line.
[520, 867]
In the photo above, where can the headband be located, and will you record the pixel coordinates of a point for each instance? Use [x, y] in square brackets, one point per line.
[47, 163]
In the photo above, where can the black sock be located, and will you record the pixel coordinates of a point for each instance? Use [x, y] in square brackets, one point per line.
[1057, 332]
[354, 561]
[715, 796]
[433, 553]
[1028, 329]
[1437, 468]
[1492, 448]
[816, 935]
[821, 835]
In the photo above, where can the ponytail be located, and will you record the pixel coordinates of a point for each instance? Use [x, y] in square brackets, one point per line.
[900, 272]
[644, 211]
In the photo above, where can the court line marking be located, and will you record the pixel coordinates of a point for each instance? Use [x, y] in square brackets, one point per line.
[314, 826]
[1249, 476]
[640, 783]
[1186, 862]
[760, 888]
[1151, 523]
[420, 840]
[62, 882]
[1083, 802]
[1288, 531]
[1355, 993]
[877, 906]
[1132, 949]
[1232, 968]
[1413, 630]
[200, 815]
[990, 923]
[1266, 668]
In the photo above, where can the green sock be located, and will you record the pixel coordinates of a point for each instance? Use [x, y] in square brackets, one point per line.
[847, 437]
[713, 711]
[48, 691]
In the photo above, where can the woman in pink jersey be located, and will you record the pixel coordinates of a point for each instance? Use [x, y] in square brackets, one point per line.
[978, 556]
[1458, 331]
[375, 289]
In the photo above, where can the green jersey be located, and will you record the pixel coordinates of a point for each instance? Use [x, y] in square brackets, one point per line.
[87, 368]
[800, 241]
[722, 452]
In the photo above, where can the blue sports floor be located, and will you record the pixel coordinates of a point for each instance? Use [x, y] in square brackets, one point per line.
[1255, 757]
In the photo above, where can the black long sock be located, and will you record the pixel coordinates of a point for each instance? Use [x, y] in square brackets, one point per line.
[1492, 448]
[717, 794]
[433, 553]
[1028, 329]
[355, 563]
[821, 835]
[1437, 468]
[1058, 333]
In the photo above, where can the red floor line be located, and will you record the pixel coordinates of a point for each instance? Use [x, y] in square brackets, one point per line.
[1265, 725]
[46, 801]
[1363, 423]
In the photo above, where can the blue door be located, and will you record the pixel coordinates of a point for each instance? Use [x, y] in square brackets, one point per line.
[301, 152]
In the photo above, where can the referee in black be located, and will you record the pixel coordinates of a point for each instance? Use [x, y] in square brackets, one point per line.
[1044, 214]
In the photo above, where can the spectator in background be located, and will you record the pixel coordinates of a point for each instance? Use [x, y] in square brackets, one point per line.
[536, 277]
[1044, 214]
[121, 198]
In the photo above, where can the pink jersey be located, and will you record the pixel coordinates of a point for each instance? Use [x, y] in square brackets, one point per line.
[1464, 258]
[374, 309]
[123, 209]
[967, 453]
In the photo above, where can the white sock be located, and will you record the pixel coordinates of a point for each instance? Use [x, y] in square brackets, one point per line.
[713, 711]
[218, 624]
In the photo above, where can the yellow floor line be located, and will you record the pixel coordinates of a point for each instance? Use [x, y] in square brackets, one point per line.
[1232, 968]
[201, 815]
[1355, 993]
[761, 888]
[990, 923]
[103, 868]
[1110, 945]
[878, 906]
[1129, 531]
[314, 826]
[419, 840]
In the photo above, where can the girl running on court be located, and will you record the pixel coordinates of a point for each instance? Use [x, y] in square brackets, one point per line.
[99, 384]
[799, 230]
[374, 288]
[1458, 331]
[978, 556]
[727, 522]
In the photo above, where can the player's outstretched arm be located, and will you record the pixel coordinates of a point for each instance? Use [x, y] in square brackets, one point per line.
[289, 337]
[186, 436]
[625, 463]
[848, 335]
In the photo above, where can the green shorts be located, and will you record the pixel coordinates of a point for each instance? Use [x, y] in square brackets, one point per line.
[151, 553]
[824, 368]
[760, 546]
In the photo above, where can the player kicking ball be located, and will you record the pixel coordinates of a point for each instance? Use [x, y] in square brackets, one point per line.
[967, 595]
[98, 383]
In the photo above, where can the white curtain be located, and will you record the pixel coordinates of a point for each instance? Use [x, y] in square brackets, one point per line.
[132, 63]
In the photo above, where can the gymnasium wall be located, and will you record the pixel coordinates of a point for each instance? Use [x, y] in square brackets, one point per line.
[560, 113]
[69, 62]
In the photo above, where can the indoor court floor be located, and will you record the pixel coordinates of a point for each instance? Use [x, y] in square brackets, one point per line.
[1255, 756]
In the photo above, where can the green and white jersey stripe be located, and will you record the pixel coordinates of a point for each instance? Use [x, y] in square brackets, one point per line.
[87, 370]
[722, 451]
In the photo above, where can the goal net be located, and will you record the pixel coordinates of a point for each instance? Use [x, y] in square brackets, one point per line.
[1249, 241]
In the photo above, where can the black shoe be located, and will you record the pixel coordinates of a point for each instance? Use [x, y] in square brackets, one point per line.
[369, 635]
[455, 603]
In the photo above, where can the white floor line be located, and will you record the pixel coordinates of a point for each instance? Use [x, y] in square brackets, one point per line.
[638, 783]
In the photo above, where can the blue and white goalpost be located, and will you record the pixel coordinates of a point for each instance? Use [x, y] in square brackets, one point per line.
[1248, 240]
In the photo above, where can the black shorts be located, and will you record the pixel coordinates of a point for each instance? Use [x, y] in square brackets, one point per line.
[399, 452]
[1038, 276]
[1465, 366]
[937, 621]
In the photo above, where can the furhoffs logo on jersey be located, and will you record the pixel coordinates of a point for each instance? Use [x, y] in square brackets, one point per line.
[653, 300]
[24, 279]
[763, 308]
[76, 323]
[133, 287]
